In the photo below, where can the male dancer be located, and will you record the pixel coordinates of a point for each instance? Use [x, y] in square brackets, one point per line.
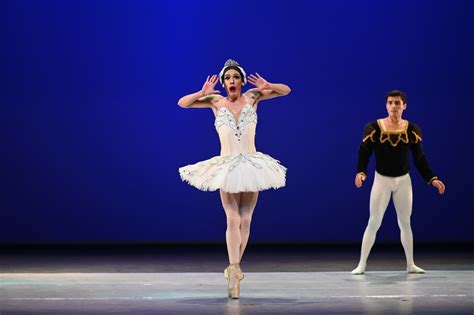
[392, 138]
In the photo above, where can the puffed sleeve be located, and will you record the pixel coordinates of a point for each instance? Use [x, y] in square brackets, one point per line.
[366, 148]
[419, 157]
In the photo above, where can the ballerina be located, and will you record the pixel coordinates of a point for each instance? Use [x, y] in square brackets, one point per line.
[240, 171]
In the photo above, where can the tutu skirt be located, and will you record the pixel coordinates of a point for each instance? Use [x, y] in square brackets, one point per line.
[236, 173]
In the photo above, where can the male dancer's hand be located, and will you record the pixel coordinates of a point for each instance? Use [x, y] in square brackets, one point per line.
[209, 86]
[439, 185]
[360, 177]
[259, 82]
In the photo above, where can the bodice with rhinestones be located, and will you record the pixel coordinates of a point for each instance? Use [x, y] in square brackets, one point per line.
[236, 137]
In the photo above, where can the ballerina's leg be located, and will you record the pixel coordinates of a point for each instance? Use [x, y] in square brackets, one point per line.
[248, 202]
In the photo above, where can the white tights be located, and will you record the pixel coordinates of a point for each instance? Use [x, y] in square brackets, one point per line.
[238, 209]
[383, 188]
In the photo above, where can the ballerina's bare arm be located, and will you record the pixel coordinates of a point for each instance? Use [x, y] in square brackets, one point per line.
[207, 97]
[265, 90]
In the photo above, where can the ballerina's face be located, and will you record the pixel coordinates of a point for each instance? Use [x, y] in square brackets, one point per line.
[233, 82]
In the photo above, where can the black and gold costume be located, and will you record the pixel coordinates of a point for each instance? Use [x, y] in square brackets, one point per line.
[392, 151]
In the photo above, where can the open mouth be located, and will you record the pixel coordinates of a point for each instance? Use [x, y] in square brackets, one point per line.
[232, 88]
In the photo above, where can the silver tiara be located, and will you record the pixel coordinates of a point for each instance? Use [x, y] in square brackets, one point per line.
[233, 63]
[230, 63]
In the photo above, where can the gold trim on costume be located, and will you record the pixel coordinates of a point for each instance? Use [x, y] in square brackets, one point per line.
[371, 136]
[417, 137]
[432, 179]
[385, 135]
[365, 176]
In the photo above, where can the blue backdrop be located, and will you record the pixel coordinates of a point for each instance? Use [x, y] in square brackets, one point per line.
[92, 137]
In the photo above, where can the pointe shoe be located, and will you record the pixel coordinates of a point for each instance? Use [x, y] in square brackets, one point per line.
[415, 269]
[234, 275]
[360, 270]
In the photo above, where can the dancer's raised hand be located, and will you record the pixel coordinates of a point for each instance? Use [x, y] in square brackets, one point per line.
[208, 87]
[259, 82]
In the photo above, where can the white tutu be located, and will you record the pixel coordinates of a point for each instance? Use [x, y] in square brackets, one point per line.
[236, 173]
[240, 167]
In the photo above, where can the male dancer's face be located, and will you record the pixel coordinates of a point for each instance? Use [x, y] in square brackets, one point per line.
[233, 82]
[395, 107]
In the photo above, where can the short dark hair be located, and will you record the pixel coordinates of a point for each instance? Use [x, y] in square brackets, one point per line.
[233, 68]
[395, 93]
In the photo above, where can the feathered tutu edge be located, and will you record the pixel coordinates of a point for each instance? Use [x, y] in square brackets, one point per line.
[235, 173]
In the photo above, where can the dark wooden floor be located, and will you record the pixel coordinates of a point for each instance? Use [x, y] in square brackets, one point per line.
[213, 257]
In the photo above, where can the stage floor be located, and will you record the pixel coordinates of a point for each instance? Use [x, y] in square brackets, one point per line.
[189, 280]
[387, 292]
